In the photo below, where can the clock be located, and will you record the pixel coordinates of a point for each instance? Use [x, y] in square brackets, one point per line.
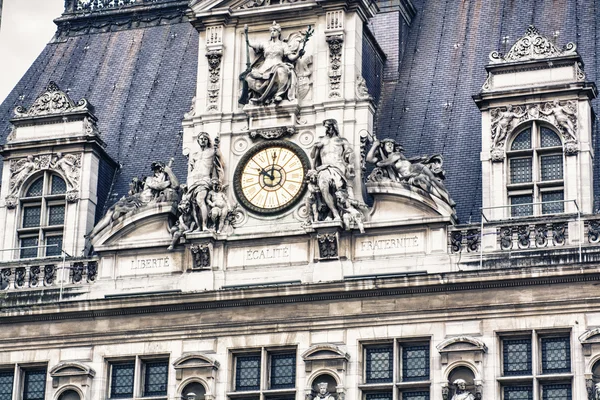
[270, 176]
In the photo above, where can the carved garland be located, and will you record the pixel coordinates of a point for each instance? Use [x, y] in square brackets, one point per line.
[335, 43]
[67, 165]
[273, 133]
[214, 77]
[563, 116]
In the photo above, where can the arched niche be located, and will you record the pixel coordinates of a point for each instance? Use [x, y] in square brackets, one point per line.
[590, 340]
[70, 394]
[70, 378]
[327, 362]
[466, 373]
[196, 372]
[321, 381]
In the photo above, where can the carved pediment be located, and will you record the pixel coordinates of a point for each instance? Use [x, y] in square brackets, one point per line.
[195, 360]
[233, 5]
[71, 368]
[52, 101]
[590, 336]
[322, 352]
[461, 343]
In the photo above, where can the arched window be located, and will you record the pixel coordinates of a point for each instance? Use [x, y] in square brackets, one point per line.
[42, 217]
[535, 172]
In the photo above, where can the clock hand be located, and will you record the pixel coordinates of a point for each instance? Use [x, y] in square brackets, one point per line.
[273, 166]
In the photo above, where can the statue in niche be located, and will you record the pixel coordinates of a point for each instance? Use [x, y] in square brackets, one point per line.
[22, 169]
[323, 393]
[163, 185]
[425, 173]
[503, 124]
[461, 393]
[562, 115]
[185, 222]
[206, 165]
[333, 160]
[67, 164]
[272, 77]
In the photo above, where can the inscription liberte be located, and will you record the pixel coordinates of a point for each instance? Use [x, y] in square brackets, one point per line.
[266, 254]
[388, 244]
[150, 263]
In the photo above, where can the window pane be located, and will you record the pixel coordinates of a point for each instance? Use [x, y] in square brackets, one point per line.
[247, 373]
[552, 167]
[518, 393]
[415, 363]
[517, 357]
[283, 371]
[56, 215]
[520, 170]
[556, 355]
[6, 385]
[379, 364]
[35, 189]
[415, 395]
[521, 211]
[549, 138]
[155, 379]
[522, 141]
[35, 385]
[552, 208]
[556, 392]
[379, 396]
[31, 216]
[122, 380]
[58, 185]
[31, 242]
[54, 250]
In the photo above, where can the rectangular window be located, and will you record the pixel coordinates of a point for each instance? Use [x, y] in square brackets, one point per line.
[521, 170]
[415, 363]
[29, 247]
[420, 395]
[55, 243]
[379, 364]
[34, 386]
[556, 355]
[521, 210]
[552, 167]
[516, 357]
[518, 393]
[247, 373]
[56, 215]
[31, 216]
[553, 208]
[556, 392]
[155, 378]
[283, 371]
[6, 384]
[121, 383]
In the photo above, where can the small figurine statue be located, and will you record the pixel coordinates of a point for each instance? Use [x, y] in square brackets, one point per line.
[323, 392]
[185, 222]
[22, 169]
[562, 116]
[349, 208]
[66, 164]
[461, 393]
[313, 197]
[219, 207]
[503, 124]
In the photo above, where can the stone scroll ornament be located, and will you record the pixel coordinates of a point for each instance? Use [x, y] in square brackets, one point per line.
[272, 76]
[563, 116]
[66, 165]
[533, 46]
[214, 77]
[52, 101]
[336, 44]
[330, 184]
[391, 165]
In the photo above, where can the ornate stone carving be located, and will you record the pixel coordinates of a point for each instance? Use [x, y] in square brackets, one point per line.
[579, 72]
[593, 231]
[4, 278]
[92, 271]
[541, 235]
[12, 135]
[473, 240]
[265, 3]
[328, 246]
[34, 276]
[272, 77]
[364, 138]
[19, 277]
[214, 78]
[49, 271]
[336, 44]
[460, 392]
[305, 80]
[200, 256]
[456, 241]
[589, 387]
[331, 194]
[185, 221]
[11, 201]
[77, 269]
[90, 127]
[52, 101]
[562, 116]
[362, 91]
[559, 233]
[92, 5]
[523, 236]
[505, 236]
[69, 166]
[487, 84]
[192, 112]
[20, 170]
[533, 46]
[445, 392]
[425, 173]
[273, 133]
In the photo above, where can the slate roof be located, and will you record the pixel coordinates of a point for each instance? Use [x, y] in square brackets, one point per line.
[141, 81]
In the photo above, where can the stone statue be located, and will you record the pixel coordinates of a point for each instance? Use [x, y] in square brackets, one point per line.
[323, 392]
[185, 221]
[503, 124]
[219, 207]
[22, 169]
[461, 393]
[67, 165]
[272, 77]
[163, 185]
[333, 159]
[351, 210]
[312, 201]
[596, 391]
[562, 116]
[425, 173]
[205, 165]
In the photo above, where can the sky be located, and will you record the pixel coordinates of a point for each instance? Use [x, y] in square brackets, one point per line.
[25, 29]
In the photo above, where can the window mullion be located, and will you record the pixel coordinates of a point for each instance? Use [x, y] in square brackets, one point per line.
[137, 377]
[395, 369]
[535, 365]
[264, 373]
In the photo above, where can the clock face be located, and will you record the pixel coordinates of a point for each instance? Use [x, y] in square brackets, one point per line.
[270, 176]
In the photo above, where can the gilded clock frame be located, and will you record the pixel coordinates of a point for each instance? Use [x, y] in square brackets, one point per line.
[237, 176]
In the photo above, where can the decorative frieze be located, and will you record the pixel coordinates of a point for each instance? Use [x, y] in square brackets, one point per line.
[328, 246]
[336, 44]
[214, 78]
[533, 46]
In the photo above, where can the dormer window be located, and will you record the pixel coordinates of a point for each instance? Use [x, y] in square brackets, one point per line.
[42, 217]
[535, 172]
